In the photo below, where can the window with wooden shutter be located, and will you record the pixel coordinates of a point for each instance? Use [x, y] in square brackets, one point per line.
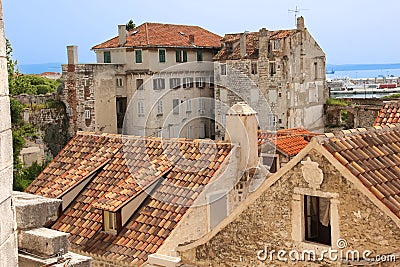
[138, 56]
[161, 55]
[107, 56]
[199, 55]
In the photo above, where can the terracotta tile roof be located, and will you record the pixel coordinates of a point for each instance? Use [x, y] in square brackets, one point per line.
[252, 39]
[181, 167]
[166, 35]
[287, 141]
[373, 157]
[389, 114]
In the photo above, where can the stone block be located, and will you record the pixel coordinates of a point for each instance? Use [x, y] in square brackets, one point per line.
[43, 242]
[2, 36]
[8, 252]
[163, 260]
[3, 77]
[6, 181]
[5, 122]
[34, 211]
[70, 259]
[7, 222]
[6, 151]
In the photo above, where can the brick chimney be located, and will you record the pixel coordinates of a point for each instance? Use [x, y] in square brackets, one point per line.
[300, 23]
[243, 48]
[263, 42]
[191, 38]
[242, 129]
[72, 53]
[122, 33]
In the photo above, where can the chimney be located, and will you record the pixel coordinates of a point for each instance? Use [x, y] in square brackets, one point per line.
[191, 38]
[72, 53]
[122, 33]
[300, 23]
[243, 49]
[263, 42]
[242, 128]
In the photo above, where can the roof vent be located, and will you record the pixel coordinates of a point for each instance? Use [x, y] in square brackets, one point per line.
[135, 32]
[181, 33]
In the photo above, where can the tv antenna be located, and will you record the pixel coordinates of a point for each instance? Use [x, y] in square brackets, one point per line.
[295, 11]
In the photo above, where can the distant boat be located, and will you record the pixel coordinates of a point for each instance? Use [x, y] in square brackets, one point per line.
[330, 72]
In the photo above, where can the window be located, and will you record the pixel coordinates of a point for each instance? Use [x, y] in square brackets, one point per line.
[272, 68]
[199, 55]
[188, 105]
[275, 45]
[161, 55]
[138, 56]
[223, 69]
[175, 83]
[70, 112]
[189, 131]
[175, 106]
[87, 114]
[159, 107]
[139, 84]
[200, 82]
[158, 84]
[107, 56]
[315, 71]
[188, 82]
[140, 108]
[317, 220]
[110, 222]
[253, 67]
[119, 82]
[202, 130]
[201, 106]
[181, 56]
[211, 82]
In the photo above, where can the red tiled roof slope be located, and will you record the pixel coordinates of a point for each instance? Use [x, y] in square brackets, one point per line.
[166, 35]
[252, 42]
[389, 114]
[182, 168]
[288, 141]
[374, 158]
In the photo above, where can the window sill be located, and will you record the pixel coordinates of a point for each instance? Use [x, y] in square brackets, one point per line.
[308, 245]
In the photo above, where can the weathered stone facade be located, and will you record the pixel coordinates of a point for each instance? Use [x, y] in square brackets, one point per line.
[8, 237]
[267, 219]
[289, 73]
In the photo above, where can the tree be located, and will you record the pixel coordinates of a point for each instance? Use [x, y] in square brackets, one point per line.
[130, 25]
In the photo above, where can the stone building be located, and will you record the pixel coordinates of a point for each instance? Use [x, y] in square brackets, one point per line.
[127, 200]
[286, 71]
[340, 193]
[158, 74]
[8, 237]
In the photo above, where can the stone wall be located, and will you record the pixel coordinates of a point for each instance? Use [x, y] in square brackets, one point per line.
[267, 221]
[362, 116]
[36, 99]
[8, 245]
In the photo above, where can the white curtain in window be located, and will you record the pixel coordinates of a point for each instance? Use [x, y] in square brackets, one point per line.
[324, 211]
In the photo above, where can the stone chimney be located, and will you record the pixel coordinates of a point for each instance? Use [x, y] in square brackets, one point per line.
[263, 42]
[242, 129]
[243, 48]
[122, 33]
[72, 52]
[300, 23]
[191, 38]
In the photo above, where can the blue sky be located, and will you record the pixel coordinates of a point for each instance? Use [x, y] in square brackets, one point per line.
[349, 31]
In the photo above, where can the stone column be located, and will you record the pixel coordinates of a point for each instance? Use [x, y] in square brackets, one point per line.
[8, 247]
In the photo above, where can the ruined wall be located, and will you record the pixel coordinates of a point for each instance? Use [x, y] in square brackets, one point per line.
[358, 116]
[267, 221]
[8, 238]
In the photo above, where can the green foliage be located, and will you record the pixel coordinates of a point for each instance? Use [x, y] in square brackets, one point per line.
[24, 177]
[344, 116]
[32, 84]
[130, 25]
[391, 96]
[16, 109]
[11, 64]
[337, 102]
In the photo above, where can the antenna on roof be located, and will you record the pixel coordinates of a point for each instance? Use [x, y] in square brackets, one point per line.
[295, 11]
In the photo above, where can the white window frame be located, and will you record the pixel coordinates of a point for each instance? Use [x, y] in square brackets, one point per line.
[87, 114]
[175, 106]
[202, 106]
[188, 105]
[159, 107]
[200, 82]
[119, 82]
[175, 83]
[158, 83]
[141, 108]
[276, 44]
[188, 82]
[70, 112]
[110, 222]
[223, 69]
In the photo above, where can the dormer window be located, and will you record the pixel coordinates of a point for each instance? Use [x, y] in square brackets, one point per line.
[229, 47]
[110, 222]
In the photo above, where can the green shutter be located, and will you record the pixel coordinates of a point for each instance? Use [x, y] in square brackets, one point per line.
[107, 57]
[138, 55]
[161, 55]
[199, 55]
[178, 55]
[184, 56]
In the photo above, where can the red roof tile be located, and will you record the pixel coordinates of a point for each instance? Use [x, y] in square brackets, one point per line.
[166, 35]
[372, 156]
[126, 167]
[389, 114]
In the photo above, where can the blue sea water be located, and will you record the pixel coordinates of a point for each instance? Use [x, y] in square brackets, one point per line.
[364, 73]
